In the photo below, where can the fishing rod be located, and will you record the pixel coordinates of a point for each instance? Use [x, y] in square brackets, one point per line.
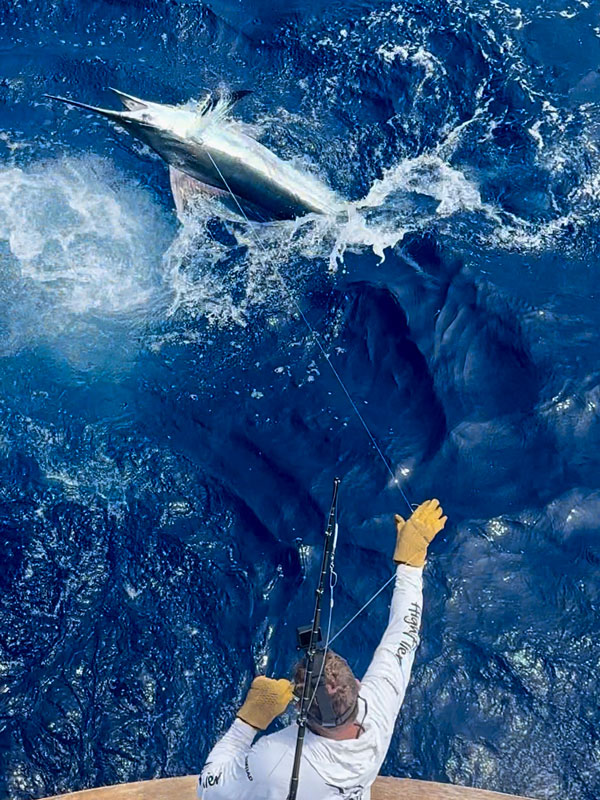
[309, 637]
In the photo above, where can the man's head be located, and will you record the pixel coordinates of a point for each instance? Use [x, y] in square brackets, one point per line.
[339, 693]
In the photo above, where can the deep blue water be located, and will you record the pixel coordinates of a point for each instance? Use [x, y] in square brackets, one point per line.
[169, 431]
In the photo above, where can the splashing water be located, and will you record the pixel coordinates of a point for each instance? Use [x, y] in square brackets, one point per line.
[222, 279]
[80, 243]
[77, 243]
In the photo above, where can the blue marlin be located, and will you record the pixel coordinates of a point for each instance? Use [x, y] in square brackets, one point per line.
[207, 151]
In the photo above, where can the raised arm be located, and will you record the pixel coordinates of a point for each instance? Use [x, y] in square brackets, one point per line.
[225, 775]
[385, 682]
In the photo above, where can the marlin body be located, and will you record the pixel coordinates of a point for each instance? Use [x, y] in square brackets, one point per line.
[209, 152]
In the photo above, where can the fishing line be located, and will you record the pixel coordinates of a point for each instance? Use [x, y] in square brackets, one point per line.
[316, 339]
[360, 610]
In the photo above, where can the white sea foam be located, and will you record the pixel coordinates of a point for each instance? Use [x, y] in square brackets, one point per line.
[579, 209]
[427, 175]
[74, 227]
[389, 52]
[77, 243]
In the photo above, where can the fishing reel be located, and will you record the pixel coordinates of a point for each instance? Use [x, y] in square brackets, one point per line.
[303, 637]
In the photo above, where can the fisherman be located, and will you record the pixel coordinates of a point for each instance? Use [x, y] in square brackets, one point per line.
[350, 722]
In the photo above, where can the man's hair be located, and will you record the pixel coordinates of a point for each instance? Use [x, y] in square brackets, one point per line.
[340, 684]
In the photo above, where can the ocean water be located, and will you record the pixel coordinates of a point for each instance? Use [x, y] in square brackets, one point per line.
[169, 430]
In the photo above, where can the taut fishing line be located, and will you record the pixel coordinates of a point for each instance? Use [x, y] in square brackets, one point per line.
[332, 582]
[316, 339]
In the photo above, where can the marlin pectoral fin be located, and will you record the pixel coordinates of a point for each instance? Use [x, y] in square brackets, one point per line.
[185, 188]
[116, 116]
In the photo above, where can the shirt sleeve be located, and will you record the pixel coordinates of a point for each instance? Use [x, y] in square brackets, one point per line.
[385, 682]
[225, 774]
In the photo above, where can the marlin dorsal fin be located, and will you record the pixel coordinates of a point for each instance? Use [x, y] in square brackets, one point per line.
[130, 102]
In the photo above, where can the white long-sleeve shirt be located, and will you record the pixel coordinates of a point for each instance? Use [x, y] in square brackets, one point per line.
[238, 770]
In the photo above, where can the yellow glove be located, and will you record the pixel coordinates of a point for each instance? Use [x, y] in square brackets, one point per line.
[413, 537]
[266, 700]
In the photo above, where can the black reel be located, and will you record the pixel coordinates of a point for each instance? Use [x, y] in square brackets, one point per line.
[303, 637]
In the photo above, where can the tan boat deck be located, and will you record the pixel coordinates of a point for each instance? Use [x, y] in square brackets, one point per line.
[383, 789]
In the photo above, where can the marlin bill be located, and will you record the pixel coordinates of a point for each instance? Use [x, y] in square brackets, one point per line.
[208, 152]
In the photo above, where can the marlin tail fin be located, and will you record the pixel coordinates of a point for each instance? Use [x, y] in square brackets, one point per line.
[218, 104]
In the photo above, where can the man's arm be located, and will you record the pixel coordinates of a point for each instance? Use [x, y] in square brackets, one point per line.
[385, 682]
[226, 773]
[384, 685]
